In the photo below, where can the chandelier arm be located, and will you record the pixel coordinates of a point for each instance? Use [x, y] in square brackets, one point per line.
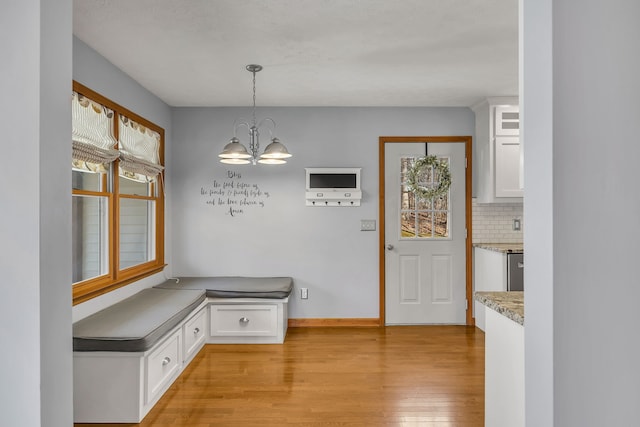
[240, 121]
[272, 131]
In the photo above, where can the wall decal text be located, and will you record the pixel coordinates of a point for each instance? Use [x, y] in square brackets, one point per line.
[233, 195]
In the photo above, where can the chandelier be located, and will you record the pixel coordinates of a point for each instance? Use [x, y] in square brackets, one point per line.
[234, 153]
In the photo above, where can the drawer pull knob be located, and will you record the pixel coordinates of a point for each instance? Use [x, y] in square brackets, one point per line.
[196, 331]
[244, 320]
[166, 361]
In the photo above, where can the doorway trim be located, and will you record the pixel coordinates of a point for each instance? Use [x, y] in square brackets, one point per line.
[467, 140]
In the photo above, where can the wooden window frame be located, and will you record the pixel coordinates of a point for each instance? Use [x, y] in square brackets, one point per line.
[116, 278]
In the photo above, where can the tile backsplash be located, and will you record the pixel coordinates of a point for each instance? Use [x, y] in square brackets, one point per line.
[493, 223]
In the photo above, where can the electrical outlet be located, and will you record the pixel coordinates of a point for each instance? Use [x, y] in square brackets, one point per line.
[516, 224]
[304, 293]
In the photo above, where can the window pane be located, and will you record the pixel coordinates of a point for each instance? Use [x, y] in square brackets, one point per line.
[407, 199]
[441, 224]
[423, 218]
[406, 163]
[441, 203]
[424, 204]
[137, 225]
[425, 224]
[90, 241]
[408, 224]
[86, 181]
[129, 186]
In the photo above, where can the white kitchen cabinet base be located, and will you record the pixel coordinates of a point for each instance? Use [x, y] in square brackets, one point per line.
[489, 274]
[479, 315]
[247, 320]
[504, 371]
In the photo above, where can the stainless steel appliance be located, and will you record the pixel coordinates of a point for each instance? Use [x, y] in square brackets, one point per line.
[515, 272]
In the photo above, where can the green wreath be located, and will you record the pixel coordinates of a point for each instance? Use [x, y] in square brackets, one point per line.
[418, 168]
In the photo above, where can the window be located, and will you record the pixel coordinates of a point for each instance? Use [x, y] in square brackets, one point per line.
[419, 218]
[117, 195]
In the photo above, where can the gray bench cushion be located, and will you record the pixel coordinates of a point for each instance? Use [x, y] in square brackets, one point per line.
[136, 323]
[235, 287]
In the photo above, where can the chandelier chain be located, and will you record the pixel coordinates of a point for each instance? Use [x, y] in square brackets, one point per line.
[254, 98]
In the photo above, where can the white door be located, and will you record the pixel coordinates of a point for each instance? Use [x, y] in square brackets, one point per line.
[425, 255]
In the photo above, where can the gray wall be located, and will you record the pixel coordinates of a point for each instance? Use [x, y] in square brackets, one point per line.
[323, 249]
[35, 310]
[537, 134]
[583, 70]
[95, 72]
[596, 212]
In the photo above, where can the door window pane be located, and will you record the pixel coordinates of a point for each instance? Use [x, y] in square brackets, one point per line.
[425, 223]
[90, 238]
[408, 224]
[441, 224]
[137, 222]
[422, 218]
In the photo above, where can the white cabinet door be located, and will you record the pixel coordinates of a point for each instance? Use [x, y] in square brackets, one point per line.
[497, 160]
[162, 366]
[244, 320]
[507, 120]
[195, 334]
[508, 167]
[504, 371]
[489, 274]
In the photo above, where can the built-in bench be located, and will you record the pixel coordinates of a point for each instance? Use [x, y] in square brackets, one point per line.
[127, 355]
[243, 310]
[234, 287]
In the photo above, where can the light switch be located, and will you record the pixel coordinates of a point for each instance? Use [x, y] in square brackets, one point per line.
[367, 225]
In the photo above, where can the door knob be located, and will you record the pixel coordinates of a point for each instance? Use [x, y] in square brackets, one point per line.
[390, 247]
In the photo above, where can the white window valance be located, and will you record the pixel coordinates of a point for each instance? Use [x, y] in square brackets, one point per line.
[139, 151]
[92, 134]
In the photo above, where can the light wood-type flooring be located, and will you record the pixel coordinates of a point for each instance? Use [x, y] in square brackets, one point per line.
[391, 376]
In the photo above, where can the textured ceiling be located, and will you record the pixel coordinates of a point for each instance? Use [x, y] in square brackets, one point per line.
[314, 52]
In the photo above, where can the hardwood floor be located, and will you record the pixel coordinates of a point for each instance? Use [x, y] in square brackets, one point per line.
[393, 376]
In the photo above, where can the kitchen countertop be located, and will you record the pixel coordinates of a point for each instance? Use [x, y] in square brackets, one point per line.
[507, 248]
[509, 304]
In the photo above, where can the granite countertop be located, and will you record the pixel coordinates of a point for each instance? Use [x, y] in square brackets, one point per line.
[509, 304]
[507, 248]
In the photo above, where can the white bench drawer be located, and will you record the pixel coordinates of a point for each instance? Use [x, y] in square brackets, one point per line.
[162, 365]
[244, 320]
[194, 334]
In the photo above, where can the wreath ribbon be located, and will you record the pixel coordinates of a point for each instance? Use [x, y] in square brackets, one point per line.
[418, 169]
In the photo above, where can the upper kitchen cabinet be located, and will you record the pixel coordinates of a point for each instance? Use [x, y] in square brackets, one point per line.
[497, 147]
